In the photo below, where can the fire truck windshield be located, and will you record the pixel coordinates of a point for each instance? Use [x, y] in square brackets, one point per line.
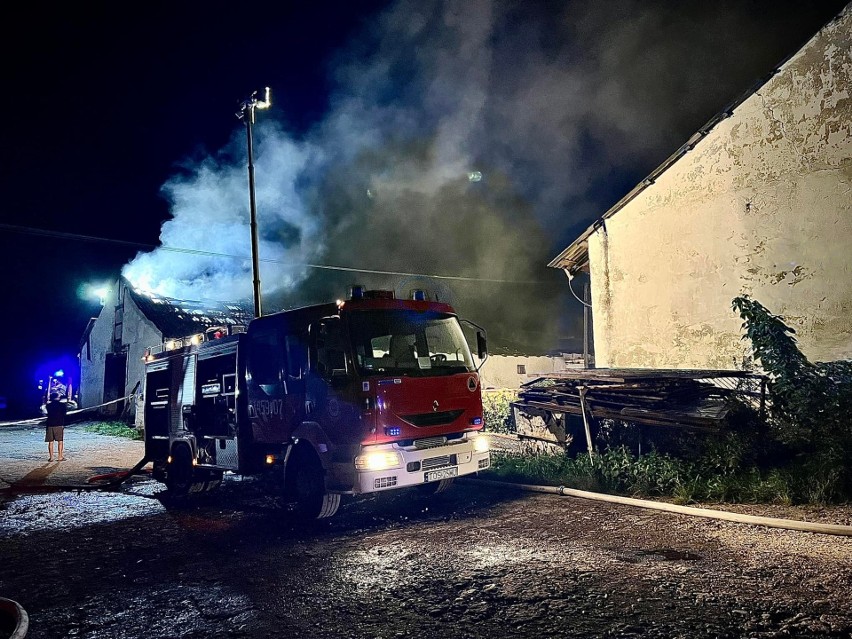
[399, 342]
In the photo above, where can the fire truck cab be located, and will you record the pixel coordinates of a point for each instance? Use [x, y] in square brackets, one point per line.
[366, 395]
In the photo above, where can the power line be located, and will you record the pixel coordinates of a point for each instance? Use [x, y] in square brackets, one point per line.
[176, 249]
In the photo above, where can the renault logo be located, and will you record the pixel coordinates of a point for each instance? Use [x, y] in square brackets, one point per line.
[435, 406]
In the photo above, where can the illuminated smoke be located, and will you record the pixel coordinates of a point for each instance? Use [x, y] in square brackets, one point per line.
[209, 202]
[472, 139]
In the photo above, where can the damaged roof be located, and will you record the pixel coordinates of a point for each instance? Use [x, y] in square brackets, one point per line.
[178, 318]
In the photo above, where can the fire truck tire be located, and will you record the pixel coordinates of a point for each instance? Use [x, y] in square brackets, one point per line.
[330, 504]
[435, 487]
[214, 480]
[180, 479]
[306, 487]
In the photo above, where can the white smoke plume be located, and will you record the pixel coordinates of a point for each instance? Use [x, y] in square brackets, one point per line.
[208, 204]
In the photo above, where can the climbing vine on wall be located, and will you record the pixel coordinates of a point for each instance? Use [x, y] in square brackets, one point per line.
[809, 403]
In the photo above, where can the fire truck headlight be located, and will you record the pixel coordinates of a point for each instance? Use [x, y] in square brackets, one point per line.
[378, 460]
[481, 444]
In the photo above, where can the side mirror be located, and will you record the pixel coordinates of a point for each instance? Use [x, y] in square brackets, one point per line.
[481, 345]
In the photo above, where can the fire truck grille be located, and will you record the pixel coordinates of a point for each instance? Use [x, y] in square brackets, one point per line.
[433, 419]
[439, 462]
[429, 442]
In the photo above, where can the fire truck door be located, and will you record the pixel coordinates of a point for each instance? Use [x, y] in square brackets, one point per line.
[267, 386]
[329, 394]
[296, 368]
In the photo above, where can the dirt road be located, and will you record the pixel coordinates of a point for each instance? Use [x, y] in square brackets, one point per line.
[474, 562]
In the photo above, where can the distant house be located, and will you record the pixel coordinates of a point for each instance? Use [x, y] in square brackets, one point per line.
[509, 368]
[759, 201]
[114, 344]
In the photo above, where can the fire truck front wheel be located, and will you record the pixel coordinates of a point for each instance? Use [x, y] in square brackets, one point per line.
[305, 487]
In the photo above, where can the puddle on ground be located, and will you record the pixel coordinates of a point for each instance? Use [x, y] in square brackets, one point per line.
[667, 554]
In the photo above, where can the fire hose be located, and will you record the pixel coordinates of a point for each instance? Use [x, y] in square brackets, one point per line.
[96, 482]
[787, 524]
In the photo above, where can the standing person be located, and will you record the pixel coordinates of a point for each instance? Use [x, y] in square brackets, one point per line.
[57, 406]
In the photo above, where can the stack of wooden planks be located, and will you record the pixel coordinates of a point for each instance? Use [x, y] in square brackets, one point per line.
[691, 399]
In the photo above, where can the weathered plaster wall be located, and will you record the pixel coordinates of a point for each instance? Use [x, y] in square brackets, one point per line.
[138, 335]
[762, 205]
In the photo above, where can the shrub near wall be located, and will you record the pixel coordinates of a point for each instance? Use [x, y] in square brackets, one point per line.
[497, 411]
[802, 453]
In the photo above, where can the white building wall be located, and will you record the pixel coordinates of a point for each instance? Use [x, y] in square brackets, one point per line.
[762, 206]
[92, 363]
[139, 334]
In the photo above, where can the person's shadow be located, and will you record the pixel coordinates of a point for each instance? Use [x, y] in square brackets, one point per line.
[37, 476]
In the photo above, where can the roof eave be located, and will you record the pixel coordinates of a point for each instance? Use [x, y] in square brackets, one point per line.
[576, 256]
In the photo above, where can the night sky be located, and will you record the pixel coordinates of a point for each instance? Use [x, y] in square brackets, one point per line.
[470, 139]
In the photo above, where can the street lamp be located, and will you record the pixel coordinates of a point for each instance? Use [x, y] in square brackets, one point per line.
[246, 114]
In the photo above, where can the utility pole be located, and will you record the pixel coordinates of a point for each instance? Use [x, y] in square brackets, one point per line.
[246, 114]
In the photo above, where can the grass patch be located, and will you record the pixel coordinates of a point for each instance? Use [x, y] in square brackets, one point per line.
[114, 429]
[620, 472]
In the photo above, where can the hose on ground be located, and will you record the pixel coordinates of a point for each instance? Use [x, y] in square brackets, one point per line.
[114, 480]
[773, 522]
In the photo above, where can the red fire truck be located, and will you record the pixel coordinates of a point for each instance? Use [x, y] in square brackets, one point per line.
[369, 394]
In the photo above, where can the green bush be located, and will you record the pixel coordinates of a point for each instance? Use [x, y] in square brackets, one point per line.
[497, 411]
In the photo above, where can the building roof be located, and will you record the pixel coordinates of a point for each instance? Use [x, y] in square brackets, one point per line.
[576, 256]
[178, 318]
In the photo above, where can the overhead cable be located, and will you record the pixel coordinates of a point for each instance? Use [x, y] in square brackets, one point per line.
[189, 251]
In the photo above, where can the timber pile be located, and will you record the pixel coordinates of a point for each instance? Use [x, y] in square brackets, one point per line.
[694, 400]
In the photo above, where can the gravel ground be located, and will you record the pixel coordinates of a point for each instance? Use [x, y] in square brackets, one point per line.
[24, 461]
[474, 562]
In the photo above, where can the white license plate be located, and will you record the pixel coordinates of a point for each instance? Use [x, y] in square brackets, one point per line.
[443, 473]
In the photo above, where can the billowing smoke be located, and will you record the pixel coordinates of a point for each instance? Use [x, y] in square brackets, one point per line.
[472, 140]
[210, 225]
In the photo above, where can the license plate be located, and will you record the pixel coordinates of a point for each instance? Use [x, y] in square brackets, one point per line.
[443, 473]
